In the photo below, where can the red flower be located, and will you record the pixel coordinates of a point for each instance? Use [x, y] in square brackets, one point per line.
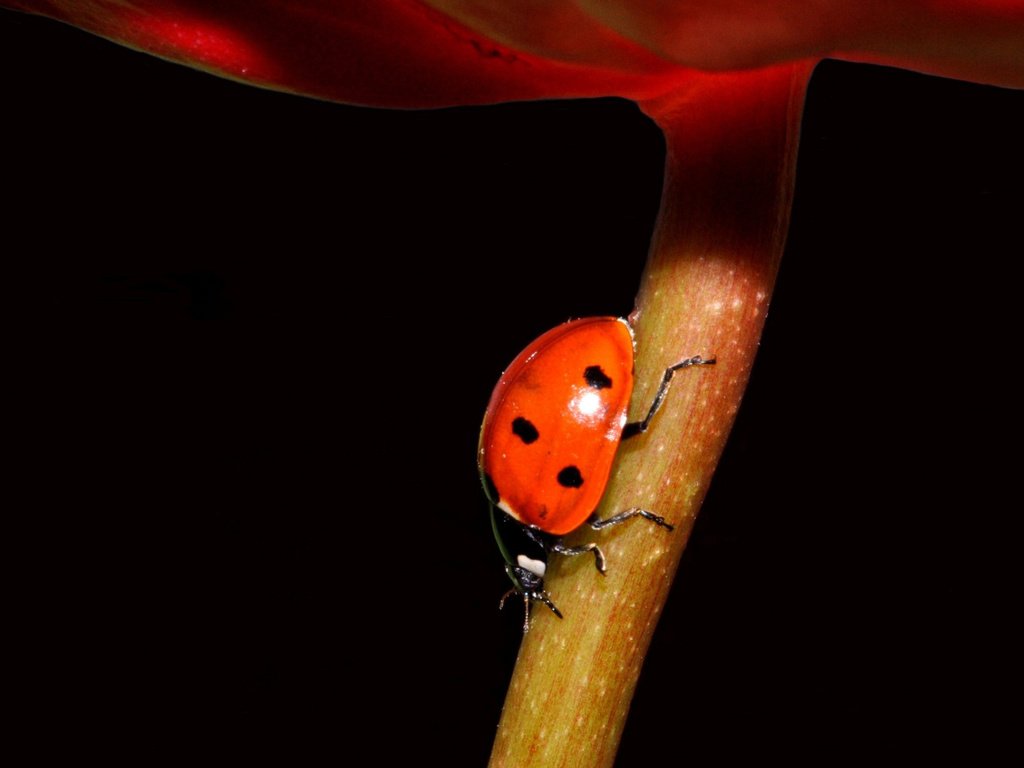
[405, 53]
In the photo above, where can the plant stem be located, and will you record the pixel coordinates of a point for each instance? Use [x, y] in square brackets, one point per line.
[725, 208]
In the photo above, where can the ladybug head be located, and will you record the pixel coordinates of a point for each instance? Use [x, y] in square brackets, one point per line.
[526, 555]
[528, 578]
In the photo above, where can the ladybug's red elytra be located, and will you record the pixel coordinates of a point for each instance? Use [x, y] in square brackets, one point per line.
[548, 440]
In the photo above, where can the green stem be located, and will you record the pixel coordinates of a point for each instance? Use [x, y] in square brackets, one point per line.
[729, 177]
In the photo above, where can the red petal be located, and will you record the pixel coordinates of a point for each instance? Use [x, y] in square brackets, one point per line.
[374, 52]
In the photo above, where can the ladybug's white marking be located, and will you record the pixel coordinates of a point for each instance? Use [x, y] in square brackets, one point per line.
[536, 567]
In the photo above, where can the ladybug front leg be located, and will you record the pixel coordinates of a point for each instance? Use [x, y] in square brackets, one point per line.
[553, 544]
[527, 596]
[561, 549]
[599, 561]
[635, 428]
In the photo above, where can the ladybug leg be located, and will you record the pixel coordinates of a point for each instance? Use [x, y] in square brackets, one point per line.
[635, 428]
[554, 544]
[622, 517]
[527, 597]
[546, 599]
[529, 583]
[599, 562]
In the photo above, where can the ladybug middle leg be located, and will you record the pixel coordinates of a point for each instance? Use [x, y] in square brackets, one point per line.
[599, 561]
[622, 517]
[634, 428]
[597, 524]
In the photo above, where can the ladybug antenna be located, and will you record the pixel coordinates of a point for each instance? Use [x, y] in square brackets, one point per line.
[544, 597]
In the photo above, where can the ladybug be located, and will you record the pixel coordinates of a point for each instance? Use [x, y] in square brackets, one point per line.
[548, 439]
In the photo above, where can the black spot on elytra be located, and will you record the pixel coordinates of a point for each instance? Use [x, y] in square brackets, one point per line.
[597, 378]
[524, 430]
[570, 477]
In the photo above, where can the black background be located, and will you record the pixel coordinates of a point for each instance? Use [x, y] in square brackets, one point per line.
[261, 332]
